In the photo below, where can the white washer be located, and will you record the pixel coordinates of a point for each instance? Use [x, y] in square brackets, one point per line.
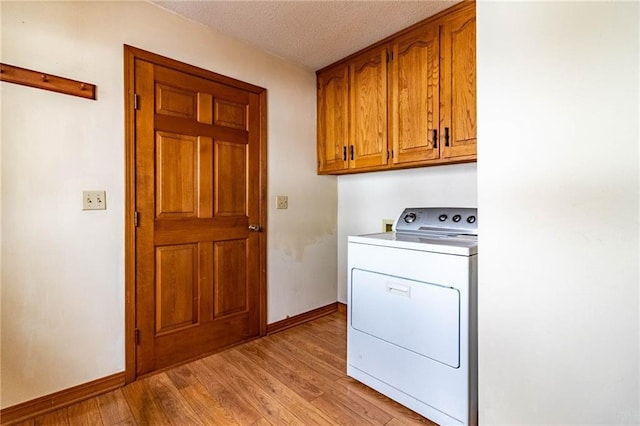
[411, 313]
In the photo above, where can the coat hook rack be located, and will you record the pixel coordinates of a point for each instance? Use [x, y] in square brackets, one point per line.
[25, 77]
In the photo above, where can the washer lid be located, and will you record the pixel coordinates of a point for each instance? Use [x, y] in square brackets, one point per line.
[457, 244]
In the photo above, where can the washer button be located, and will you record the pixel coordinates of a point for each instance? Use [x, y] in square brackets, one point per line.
[457, 218]
[409, 217]
[442, 217]
[471, 219]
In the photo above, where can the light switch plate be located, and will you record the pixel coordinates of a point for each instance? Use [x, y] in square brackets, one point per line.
[94, 200]
[282, 202]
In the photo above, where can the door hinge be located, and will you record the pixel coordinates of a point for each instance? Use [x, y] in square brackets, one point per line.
[135, 219]
[137, 336]
[135, 101]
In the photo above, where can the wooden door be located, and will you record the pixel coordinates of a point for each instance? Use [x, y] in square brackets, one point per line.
[199, 272]
[414, 108]
[333, 119]
[368, 104]
[458, 82]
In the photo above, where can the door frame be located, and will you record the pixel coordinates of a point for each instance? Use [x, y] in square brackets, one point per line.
[130, 55]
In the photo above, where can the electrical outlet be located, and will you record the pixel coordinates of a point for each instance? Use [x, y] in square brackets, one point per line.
[387, 225]
[94, 200]
[282, 202]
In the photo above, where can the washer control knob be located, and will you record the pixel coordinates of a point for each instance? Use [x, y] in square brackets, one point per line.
[442, 217]
[409, 217]
[456, 218]
[471, 219]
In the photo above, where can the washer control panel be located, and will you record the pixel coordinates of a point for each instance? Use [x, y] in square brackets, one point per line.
[446, 220]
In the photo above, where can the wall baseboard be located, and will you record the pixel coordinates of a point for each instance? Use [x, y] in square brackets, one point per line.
[342, 308]
[63, 398]
[302, 318]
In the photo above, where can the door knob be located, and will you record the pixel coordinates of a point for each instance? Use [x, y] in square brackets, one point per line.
[254, 228]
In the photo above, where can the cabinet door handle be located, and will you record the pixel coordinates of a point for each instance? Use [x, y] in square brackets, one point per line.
[446, 136]
[351, 152]
[435, 138]
[344, 153]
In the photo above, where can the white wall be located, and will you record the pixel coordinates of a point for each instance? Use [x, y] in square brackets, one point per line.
[558, 193]
[364, 200]
[62, 268]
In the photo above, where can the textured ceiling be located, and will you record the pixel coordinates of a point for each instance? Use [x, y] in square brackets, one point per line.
[311, 33]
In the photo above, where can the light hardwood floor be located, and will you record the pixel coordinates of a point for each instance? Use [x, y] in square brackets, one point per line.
[295, 377]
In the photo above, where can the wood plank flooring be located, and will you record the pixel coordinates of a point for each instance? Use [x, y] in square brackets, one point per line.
[295, 377]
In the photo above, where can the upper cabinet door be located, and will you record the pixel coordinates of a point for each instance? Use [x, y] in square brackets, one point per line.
[333, 119]
[414, 109]
[368, 96]
[458, 86]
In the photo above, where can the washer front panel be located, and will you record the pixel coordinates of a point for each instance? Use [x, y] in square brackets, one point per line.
[435, 308]
[385, 351]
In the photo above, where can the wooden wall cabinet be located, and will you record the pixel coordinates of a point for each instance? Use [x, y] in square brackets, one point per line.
[333, 119]
[458, 86]
[407, 101]
[368, 110]
[414, 108]
[352, 111]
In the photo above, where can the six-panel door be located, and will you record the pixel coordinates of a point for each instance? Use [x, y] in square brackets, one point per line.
[197, 191]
